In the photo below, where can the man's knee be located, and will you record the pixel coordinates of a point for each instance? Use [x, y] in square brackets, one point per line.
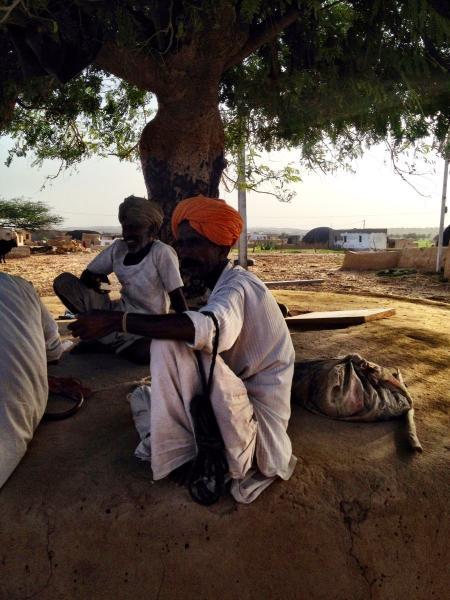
[63, 282]
[169, 352]
[167, 348]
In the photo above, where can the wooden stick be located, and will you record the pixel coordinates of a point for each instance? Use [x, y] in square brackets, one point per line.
[294, 282]
[412, 432]
[413, 439]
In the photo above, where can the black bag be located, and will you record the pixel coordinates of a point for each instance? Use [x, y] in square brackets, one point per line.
[207, 477]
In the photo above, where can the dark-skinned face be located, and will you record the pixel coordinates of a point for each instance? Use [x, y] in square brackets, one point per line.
[136, 236]
[199, 257]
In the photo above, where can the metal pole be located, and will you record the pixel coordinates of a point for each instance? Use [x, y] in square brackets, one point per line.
[242, 207]
[443, 211]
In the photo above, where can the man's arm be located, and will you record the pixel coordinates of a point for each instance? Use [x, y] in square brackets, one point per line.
[99, 323]
[53, 347]
[178, 301]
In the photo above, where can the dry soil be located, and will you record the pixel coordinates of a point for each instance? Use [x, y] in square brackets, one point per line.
[362, 518]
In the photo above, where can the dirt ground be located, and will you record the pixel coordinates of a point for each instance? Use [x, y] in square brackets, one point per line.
[41, 270]
[361, 519]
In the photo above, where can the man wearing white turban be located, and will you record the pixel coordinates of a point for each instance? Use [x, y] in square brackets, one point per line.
[147, 269]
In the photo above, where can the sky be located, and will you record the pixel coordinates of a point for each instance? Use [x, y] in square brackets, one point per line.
[373, 196]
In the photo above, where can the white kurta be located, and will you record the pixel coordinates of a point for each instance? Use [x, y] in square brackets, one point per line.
[146, 285]
[28, 339]
[251, 389]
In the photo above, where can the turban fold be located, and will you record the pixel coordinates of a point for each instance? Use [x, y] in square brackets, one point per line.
[140, 211]
[211, 218]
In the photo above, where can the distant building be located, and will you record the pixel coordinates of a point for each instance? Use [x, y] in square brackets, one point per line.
[47, 234]
[23, 237]
[293, 239]
[90, 239]
[360, 239]
[400, 243]
[77, 234]
[106, 239]
[322, 236]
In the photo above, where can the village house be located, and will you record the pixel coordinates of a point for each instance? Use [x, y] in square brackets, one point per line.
[360, 239]
[106, 239]
[22, 236]
[90, 239]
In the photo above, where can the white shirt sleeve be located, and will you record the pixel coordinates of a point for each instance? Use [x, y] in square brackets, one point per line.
[103, 262]
[228, 308]
[53, 346]
[166, 261]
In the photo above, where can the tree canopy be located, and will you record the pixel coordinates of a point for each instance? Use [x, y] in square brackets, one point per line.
[78, 76]
[26, 214]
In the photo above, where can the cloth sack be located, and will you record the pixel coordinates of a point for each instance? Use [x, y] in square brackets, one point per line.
[351, 388]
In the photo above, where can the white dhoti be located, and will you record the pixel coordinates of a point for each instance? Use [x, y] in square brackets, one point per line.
[79, 298]
[257, 446]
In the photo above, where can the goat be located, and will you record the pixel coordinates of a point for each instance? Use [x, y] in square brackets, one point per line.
[5, 247]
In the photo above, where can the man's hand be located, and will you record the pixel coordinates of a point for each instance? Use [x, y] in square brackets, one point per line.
[94, 281]
[96, 324]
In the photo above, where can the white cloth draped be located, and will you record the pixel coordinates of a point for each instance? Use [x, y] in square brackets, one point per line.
[28, 339]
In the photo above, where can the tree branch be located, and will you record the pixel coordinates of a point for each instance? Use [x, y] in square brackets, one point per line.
[137, 68]
[262, 34]
[401, 172]
[7, 10]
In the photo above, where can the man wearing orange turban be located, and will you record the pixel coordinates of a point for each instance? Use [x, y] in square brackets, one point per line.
[211, 218]
[250, 394]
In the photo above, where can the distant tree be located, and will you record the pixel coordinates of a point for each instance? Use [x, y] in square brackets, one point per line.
[76, 77]
[26, 214]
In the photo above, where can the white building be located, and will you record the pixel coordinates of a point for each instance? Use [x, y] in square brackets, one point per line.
[257, 237]
[360, 239]
[107, 239]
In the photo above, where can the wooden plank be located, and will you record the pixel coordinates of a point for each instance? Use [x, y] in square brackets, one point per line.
[337, 319]
[271, 284]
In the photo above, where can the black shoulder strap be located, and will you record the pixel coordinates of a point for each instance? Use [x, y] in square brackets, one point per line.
[207, 385]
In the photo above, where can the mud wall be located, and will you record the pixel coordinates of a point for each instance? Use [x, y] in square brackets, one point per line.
[19, 252]
[368, 261]
[422, 259]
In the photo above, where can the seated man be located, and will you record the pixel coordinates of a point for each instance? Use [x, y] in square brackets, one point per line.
[253, 372]
[146, 268]
[28, 339]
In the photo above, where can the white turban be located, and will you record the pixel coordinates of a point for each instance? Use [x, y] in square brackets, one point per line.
[140, 211]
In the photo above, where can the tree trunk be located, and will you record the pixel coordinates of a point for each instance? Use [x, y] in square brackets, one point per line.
[182, 148]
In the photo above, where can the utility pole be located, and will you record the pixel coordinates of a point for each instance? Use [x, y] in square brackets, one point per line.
[443, 211]
[242, 207]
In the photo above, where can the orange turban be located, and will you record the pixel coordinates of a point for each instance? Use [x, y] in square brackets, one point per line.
[211, 218]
